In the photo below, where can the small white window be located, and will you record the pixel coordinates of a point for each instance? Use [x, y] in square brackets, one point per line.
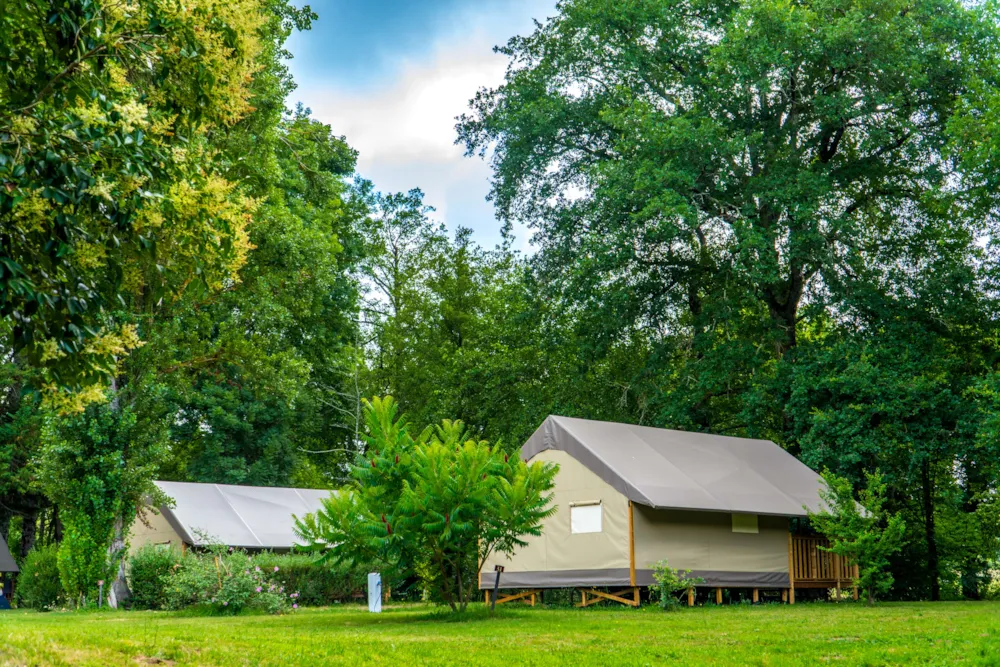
[586, 517]
[745, 523]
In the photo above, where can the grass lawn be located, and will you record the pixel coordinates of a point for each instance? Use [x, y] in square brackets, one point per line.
[848, 634]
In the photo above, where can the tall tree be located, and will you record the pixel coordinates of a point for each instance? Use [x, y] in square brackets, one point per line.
[689, 163]
[107, 111]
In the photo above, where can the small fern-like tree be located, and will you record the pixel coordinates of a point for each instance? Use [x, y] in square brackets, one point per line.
[862, 531]
[439, 502]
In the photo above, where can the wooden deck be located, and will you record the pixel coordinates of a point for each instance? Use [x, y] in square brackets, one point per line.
[812, 567]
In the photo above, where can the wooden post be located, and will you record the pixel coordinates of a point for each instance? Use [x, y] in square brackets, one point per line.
[784, 595]
[635, 595]
[855, 579]
[718, 596]
[756, 595]
[691, 597]
[184, 547]
[836, 566]
[487, 600]
[791, 570]
[631, 546]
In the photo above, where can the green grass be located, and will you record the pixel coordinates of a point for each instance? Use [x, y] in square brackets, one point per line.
[847, 634]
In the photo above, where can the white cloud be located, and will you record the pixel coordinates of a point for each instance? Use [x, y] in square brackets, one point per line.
[404, 129]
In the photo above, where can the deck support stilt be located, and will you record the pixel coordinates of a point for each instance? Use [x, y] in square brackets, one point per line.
[593, 596]
[528, 597]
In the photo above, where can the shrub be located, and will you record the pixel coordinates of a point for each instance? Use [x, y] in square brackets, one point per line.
[671, 583]
[441, 502]
[317, 584]
[38, 585]
[227, 582]
[148, 571]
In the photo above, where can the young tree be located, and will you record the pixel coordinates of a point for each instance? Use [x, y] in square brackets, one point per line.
[439, 503]
[861, 531]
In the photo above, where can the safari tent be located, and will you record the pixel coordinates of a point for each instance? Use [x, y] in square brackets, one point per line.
[249, 517]
[7, 564]
[629, 496]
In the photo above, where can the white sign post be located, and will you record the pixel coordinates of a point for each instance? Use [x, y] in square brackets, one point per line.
[375, 592]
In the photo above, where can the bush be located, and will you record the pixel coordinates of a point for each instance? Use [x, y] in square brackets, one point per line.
[148, 572]
[671, 583]
[227, 582]
[38, 585]
[318, 584]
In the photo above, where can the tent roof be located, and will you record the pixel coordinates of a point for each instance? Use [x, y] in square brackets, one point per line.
[680, 470]
[254, 517]
[7, 563]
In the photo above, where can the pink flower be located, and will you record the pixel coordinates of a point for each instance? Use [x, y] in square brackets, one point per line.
[259, 589]
[295, 606]
[225, 603]
[257, 568]
[275, 568]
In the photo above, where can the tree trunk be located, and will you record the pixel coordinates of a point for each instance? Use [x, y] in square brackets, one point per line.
[932, 552]
[118, 591]
[29, 532]
[5, 516]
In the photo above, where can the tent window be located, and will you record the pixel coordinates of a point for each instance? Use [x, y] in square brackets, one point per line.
[745, 523]
[586, 517]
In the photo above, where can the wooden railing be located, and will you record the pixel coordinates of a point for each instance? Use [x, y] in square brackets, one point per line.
[811, 565]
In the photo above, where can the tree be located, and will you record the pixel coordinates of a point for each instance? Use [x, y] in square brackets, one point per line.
[439, 502]
[96, 469]
[696, 171]
[860, 531]
[108, 112]
[257, 375]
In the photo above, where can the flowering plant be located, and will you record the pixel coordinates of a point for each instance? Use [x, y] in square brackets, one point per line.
[228, 582]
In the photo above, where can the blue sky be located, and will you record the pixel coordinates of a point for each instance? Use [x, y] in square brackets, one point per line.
[392, 75]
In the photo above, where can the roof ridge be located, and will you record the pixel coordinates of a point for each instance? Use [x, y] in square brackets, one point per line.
[610, 467]
[679, 469]
[238, 515]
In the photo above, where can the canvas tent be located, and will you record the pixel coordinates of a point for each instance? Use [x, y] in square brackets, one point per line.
[629, 496]
[7, 563]
[249, 517]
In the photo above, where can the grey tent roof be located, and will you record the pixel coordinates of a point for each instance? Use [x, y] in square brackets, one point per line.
[254, 517]
[680, 470]
[7, 563]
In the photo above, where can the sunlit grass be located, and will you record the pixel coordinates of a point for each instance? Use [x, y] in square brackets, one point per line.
[848, 634]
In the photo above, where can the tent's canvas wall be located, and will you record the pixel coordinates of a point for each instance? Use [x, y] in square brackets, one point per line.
[706, 544]
[701, 541]
[561, 558]
[159, 531]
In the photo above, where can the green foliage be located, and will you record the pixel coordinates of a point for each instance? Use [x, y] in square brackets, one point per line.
[226, 582]
[861, 531]
[110, 185]
[38, 584]
[440, 501]
[96, 469]
[670, 583]
[318, 584]
[149, 569]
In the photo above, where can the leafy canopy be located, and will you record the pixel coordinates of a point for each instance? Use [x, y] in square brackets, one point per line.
[108, 186]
